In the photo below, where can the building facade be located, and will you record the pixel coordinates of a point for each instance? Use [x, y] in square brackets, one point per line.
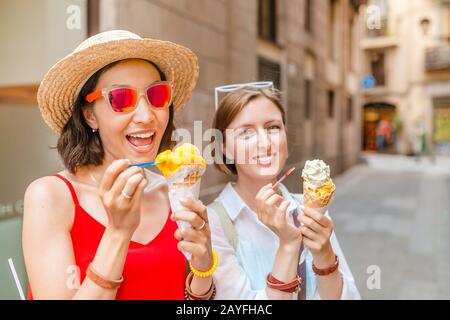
[408, 55]
[309, 48]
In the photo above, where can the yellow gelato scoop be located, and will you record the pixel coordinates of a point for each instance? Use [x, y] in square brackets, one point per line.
[326, 190]
[187, 154]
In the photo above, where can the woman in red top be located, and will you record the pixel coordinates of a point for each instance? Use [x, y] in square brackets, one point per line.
[101, 229]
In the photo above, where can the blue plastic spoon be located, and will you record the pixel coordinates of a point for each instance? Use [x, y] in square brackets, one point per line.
[145, 164]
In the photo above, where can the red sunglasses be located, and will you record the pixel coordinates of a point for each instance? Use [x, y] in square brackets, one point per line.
[125, 98]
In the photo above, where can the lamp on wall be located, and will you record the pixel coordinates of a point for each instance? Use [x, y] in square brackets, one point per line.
[425, 24]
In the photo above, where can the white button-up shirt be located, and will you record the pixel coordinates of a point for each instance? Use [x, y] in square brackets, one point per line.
[241, 274]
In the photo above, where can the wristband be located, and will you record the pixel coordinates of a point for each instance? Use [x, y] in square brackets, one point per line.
[100, 281]
[289, 287]
[327, 271]
[188, 295]
[207, 273]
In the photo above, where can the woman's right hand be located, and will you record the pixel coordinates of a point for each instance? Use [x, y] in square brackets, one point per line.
[117, 183]
[271, 211]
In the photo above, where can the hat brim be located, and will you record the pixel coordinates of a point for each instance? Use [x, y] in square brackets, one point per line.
[62, 83]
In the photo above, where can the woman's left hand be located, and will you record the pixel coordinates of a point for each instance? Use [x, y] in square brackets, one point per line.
[197, 239]
[316, 231]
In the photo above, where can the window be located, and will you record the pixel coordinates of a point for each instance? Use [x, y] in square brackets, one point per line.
[446, 21]
[269, 71]
[377, 18]
[93, 17]
[333, 30]
[351, 42]
[309, 15]
[330, 104]
[307, 100]
[377, 65]
[350, 109]
[267, 20]
[441, 124]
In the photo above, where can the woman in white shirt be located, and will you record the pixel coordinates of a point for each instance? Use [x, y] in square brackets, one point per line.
[255, 227]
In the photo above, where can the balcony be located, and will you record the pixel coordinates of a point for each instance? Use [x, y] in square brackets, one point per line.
[379, 38]
[437, 58]
[382, 42]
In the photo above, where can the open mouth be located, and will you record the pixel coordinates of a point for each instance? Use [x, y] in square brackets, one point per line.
[141, 142]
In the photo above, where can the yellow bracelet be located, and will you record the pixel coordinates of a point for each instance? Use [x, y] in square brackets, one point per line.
[207, 273]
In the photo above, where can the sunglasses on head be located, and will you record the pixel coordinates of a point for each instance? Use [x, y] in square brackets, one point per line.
[233, 87]
[125, 98]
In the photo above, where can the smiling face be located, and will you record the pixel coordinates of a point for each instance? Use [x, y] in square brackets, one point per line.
[256, 140]
[135, 135]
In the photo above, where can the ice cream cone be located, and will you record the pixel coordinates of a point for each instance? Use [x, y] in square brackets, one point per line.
[317, 200]
[318, 188]
[183, 169]
[185, 183]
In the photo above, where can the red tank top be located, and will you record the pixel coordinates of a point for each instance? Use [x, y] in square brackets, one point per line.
[154, 271]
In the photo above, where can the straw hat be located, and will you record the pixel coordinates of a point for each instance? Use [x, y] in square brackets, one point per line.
[63, 82]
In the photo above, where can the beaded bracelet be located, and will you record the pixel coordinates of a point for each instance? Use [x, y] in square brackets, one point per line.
[207, 273]
[188, 295]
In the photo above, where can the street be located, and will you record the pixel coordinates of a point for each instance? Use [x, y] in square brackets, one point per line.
[392, 214]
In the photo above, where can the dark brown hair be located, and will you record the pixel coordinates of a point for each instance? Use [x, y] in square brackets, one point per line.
[78, 146]
[230, 106]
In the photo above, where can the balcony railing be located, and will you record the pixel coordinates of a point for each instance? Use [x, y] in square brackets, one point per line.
[438, 58]
[378, 32]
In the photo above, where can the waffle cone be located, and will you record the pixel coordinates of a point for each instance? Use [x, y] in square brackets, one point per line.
[189, 180]
[311, 200]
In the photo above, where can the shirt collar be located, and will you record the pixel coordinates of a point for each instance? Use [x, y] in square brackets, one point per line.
[234, 205]
[232, 201]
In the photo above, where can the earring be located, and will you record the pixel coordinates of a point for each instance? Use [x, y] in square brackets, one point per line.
[94, 130]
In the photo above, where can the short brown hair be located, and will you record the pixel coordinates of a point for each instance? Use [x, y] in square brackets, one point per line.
[231, 105]
[78, 146]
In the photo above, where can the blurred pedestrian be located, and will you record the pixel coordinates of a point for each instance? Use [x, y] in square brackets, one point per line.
[384, 134]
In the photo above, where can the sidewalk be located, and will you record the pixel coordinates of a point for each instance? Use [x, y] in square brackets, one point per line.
[394, 213]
